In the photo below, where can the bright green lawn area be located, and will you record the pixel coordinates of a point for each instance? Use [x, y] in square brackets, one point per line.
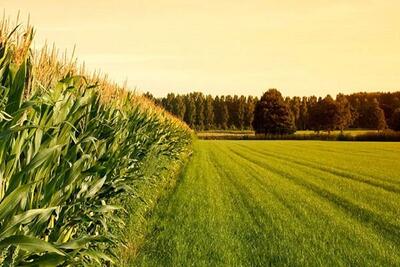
[292, 203]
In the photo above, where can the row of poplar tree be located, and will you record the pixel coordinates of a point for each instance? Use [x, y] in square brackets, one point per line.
[358, 110]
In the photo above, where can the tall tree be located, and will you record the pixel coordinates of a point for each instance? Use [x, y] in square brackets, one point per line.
[311, 106]
[343, 116]
[224, 113]
[199, 100]
[221, 114]
[363, 113]
[323, 115]
[241, 109]
[302, 122]
[249, 112]
[179, 107]
[395, 122]
[209, 113]
[190, 114]
[295, 103]
[329, 114]
[217, 114]
[272, 115]
[377, 118]
[230, 105]
[167, 102]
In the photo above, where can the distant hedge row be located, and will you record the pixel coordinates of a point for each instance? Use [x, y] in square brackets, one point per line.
[388, 136]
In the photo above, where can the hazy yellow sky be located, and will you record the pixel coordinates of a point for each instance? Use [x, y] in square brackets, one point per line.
[228, 47]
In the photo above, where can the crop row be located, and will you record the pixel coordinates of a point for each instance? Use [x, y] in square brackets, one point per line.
[71, 144]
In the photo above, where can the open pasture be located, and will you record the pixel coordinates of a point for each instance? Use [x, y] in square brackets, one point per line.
[293, 203]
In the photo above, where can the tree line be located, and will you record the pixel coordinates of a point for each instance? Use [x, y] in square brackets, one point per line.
[205, 112]
[273, 113]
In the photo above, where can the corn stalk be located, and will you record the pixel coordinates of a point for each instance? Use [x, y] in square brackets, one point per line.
[66, 154]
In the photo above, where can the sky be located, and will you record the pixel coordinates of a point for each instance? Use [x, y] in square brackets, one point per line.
[309, 47]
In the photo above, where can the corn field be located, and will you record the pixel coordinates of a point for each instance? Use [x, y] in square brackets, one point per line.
[71, 144]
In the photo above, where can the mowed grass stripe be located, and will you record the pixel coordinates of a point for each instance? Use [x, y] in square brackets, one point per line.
[235, 207]
[376, 162]
[332, 201]
[375, 208]
[386, 200]
[197, 211]
[384, 227]
[280, 247]
[315, 163]
[268, 213]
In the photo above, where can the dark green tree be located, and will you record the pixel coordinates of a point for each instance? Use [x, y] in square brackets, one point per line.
[209, 113]
[231, 107]
[323, 115]
[295, 103]
[272, 115]
[241, 109]
[167, 102]
[302, 122]
[179, 107]
[377, 116]
[221, 112]
[249, 112]
[344, 116]
[190, 114]
[395, 121]
[315, 115]
[217, 112]
[199, 100]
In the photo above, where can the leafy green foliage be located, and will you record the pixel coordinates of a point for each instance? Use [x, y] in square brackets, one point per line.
[272, 115]
[66, 156]
[395, 122]
[237, 113]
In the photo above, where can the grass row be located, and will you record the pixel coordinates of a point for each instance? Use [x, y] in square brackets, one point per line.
[161, 175]
[262, 203]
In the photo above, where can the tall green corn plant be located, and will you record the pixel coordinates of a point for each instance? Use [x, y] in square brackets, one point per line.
[64, 156]
[49, 191]
[14, 78]
[51, 209]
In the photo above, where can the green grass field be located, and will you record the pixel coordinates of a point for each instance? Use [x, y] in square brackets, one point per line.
[293, 203]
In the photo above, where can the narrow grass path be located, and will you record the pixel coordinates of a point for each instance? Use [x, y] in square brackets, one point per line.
[281, 203]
